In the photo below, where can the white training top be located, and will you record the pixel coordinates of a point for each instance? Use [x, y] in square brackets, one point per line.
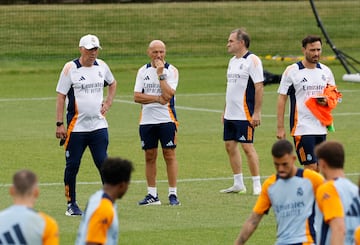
[147, 82]
[300, 84]
[84, 88]
[242, 74]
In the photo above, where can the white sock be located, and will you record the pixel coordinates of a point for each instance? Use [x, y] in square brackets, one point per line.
[172, 191]
[256, 181]
[152, 191]
[238, 180]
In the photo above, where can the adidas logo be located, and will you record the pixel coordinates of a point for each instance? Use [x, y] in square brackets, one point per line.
[242, 138]
[354, 208]
[304, 80]
[13, 237]
[147, 78]
[170, 143]
[82, 78]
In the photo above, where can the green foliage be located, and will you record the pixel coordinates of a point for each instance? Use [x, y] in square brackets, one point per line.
[27, 106]
[189, 29]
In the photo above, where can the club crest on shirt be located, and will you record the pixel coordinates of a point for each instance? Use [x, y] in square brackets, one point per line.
[309, 157]
[300, 191]
[323, 77]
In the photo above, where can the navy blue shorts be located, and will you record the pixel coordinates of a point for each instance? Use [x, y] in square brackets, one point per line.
[305, 145]
[150, 134]
[97, 141]
[238, 130]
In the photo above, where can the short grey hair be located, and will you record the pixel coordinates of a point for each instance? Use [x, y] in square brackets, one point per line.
[241, 34]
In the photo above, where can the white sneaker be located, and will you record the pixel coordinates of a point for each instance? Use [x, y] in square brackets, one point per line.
[256, 190]
[234, 189]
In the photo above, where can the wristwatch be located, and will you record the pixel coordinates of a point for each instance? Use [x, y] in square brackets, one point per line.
[58, 124]
[162, 77]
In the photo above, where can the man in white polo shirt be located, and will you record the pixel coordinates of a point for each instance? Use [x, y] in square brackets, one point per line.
[242, 113]
[301, 81]
[80, 89]
[155, 88]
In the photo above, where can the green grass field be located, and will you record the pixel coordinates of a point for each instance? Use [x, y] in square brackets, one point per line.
[27, 106]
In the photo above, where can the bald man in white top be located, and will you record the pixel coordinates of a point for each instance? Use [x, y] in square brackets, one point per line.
[155, 87]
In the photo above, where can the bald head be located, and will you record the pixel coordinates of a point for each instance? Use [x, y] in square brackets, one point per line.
[156, 43]
[156, 51]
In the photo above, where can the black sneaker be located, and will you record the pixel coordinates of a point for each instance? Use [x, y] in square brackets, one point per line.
[73, 210]
[150, 200]
[173, 201]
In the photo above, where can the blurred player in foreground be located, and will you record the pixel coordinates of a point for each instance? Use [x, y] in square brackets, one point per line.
[99, 224]
[20, 223]
[357, 231]
[291, 193]
[338, 198]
